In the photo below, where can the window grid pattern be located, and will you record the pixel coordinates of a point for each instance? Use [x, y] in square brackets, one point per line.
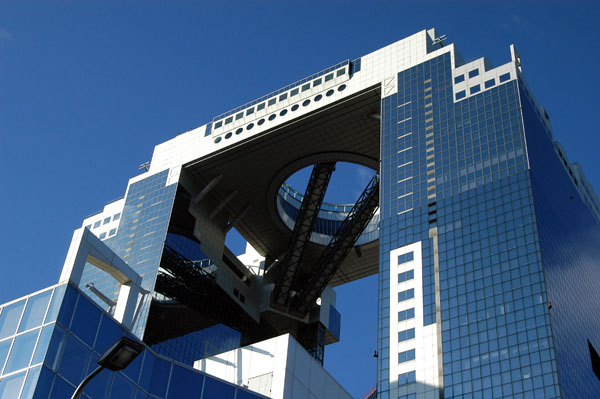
[139, 240]
[496, 337]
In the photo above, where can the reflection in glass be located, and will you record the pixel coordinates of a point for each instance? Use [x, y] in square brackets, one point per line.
[59, 292]
[42, 346]
[74, 360]
[32, 378]
[121, 388]
[21, 351]
[35, 311]
[85, 321]
[4, 347]
[9, 318]
[55, 348]
[10, 386]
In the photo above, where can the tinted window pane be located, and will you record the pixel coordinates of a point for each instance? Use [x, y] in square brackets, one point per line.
[107, 335]
[121, 388]
[44, 383]
[133, 370]
[182, 380]
[42, 346]
[4, 347]
[9, 318]
[55, 347]
[21, 352]
[66, 306]
[217, 389]
[74, 360]
[61, 389]
[30, 382]
[98, 387]
[35, 311]
[10, 386]
[86, 321]
[155, 375]
[57, 297]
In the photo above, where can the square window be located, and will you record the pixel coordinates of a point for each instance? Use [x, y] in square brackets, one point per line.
[218, 124]
[117, 216]
[505, 77]
[260, 106]
[112, 232]
[229, 120]
[340, 72]
[239, 116]
[317, 82]
[97, 224]
[490, 83]
[107, 220]
[250, 111]
[461, 94]
[102, 236]
[473, 73]
[283, 97]
[329, 77]
[272, 101]
[305, 87]
[294, 92]
[459, 78]
[475, 89]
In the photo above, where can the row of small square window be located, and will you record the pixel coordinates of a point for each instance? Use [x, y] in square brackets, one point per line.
[406, 356]
[406, 314]
[472, 74]
[477, 88]
[282, 97]
[106, 220]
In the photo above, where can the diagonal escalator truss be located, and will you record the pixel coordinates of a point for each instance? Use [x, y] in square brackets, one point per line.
[305, 222]
[339, 246]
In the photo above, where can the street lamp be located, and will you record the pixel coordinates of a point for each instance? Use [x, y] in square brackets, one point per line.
[116, 358]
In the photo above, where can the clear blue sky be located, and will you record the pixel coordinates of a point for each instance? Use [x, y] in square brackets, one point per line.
[87, 88]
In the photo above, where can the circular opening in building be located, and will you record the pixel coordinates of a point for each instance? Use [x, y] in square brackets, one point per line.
[329, 92]
[250, 126]
[318, 98]
[217, 140]
[346, 184]
[239, 131]
[305, 103]
[271, 117]
[283, 112]
[295, 107]
[342, 88]
[260, 122]
[228, 135]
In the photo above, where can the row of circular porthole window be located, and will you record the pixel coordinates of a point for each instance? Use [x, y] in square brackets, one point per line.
[271, 117]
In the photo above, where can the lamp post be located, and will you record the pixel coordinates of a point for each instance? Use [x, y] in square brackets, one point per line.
[116, 358]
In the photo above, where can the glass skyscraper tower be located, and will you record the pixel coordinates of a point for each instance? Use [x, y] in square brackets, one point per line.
[485, 239]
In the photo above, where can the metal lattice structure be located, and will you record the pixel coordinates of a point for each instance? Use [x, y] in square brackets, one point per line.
[305, 222]
[339, 246]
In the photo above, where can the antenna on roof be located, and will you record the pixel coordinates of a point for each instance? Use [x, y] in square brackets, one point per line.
[145, 166]
[439, 40]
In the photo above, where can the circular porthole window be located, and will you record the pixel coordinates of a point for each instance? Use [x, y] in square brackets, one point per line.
[260, 122]
[295, 107]
[250, 126]
[342, 88]
[283, 112]
[271, 117]
[305, 103]
[239, 131]
[228, 135]
[217, 140]
[318, 98]
[329, 93]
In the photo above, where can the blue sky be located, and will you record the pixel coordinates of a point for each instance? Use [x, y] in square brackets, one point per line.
[87, 88]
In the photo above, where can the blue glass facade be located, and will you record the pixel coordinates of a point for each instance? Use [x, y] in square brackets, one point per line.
[459, 171]
[569, 236]
[140, 238]
[53, 339]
